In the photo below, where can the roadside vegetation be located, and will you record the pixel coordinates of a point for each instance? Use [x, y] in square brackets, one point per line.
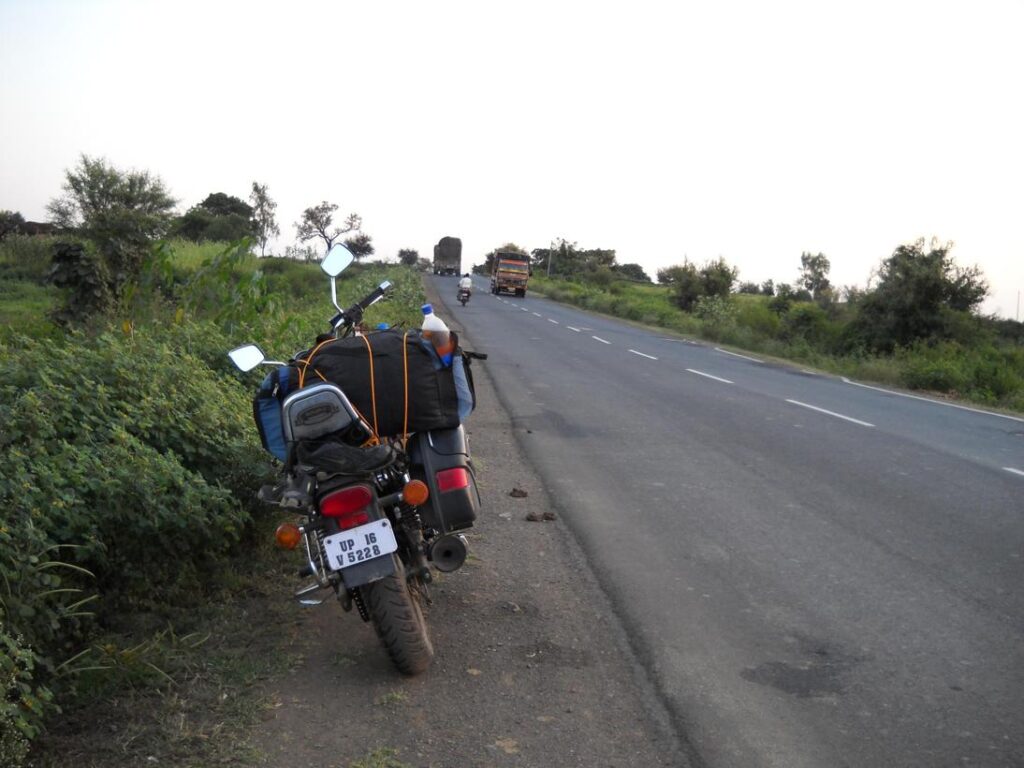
[917, 327]
[132, 554]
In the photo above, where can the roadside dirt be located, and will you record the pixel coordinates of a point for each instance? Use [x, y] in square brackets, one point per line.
[531, 666]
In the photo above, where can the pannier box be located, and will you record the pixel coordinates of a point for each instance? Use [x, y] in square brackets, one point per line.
[440, 458]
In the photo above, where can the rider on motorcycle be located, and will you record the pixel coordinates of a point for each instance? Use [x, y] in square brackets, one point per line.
[466, 284]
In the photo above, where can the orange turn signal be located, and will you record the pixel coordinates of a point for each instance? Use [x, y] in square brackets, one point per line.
[288, 535]
[415, 492]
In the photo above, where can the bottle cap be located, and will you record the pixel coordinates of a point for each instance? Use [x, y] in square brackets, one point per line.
[427, 309]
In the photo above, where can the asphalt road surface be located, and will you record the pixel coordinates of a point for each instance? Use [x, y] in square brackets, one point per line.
[815, 572]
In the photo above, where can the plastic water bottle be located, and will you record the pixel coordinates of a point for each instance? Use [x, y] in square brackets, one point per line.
[434, 328]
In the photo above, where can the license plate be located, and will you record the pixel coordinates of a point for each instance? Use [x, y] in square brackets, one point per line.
[358, 545]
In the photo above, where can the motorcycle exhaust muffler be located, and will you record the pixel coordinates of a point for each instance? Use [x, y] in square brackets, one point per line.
[449, 552]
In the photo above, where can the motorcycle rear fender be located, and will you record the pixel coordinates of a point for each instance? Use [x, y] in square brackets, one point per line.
[372, 570]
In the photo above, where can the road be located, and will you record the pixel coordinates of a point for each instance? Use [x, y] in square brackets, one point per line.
[814, 572]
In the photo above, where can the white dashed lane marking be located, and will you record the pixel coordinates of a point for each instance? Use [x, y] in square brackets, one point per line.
[708, 375]
[830, 413]
[552, 321]
[1014, 471]
[737, 354]
[572, 328]
[649, 357]
[598, 338]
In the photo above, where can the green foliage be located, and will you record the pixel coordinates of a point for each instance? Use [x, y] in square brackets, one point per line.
[103, 203]
[567, 259]
[83, 274]
[119, 213]
[22, 702]
[10, 223]
[919, 293]
[241, 297]
[219, 218]
[24, 257]
[814, 272]
[690, 284]
[408, 256]
[361, 245]
[717, 313]
[632, 272]
[133, 451]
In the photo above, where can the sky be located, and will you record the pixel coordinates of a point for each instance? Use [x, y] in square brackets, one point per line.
[679, 130]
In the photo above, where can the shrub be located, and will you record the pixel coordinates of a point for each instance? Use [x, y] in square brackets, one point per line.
[26, 258]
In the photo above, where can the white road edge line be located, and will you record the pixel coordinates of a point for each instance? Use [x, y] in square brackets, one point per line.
[649, 357]
[934, 402]
[708, 375]
[830, 413]
[737, 354]
[598, 338]
[573, 329]
[1015, 471]
[552, 321]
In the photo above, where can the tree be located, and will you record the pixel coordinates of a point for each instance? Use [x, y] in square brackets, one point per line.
[263, 214]
[221, 204]
[11, 223]
[814, 273]
[360, 245]
[220, 217]
[318, 221]
[919, 293]
[768, 287]
[632, 272]
[121, 212]
[408, 256]
[749, 287]
[100, 200]
[715, 278]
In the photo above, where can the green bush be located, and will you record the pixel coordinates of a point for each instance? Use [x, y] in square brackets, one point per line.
[23, 257]
[134, 452]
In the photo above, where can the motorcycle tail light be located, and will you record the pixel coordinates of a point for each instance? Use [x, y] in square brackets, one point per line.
[349, 506]
[288, 535]
[452, 479]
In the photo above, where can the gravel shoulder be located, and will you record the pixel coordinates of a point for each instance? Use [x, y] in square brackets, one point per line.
[531, 666]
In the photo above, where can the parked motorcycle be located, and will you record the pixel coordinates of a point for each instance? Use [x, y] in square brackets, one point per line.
[463, 296]
[375, 515]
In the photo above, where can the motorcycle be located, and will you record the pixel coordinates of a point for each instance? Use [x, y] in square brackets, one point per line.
[463, 296]
[374, 517]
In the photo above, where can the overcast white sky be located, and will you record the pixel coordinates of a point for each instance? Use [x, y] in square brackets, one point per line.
[740, 128]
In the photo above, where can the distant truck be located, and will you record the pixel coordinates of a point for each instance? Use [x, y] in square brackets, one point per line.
[511, 273]
[448, 256]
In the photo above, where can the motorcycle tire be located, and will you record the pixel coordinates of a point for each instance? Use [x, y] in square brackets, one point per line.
[398, 618]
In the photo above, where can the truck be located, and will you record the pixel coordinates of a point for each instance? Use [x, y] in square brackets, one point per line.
[448, 256]
[510, 273]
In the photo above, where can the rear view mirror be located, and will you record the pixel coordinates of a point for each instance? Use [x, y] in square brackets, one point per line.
[246, 357]
[337, 260]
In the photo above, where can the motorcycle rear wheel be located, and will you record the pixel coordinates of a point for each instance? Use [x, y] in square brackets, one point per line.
[398, 618]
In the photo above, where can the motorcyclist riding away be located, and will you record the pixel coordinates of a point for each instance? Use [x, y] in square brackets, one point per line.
[466, 284]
